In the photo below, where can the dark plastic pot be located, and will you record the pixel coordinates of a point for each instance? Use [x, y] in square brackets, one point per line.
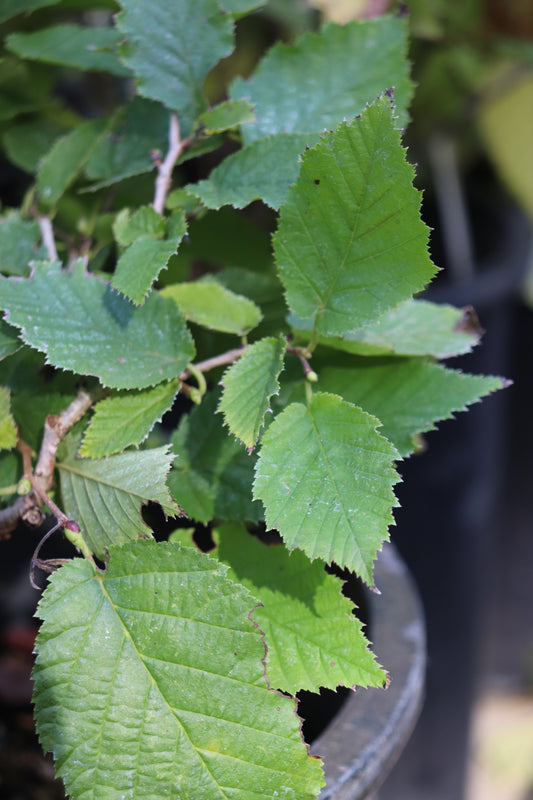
[367, 735]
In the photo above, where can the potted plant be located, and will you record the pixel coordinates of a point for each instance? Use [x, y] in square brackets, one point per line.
[237, 258]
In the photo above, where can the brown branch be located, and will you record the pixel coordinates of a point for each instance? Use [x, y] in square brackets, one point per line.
[27, 508]
[176, 146]
[47, 234]
[211, 363]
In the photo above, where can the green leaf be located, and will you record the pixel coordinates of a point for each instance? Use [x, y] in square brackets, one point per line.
[312, 637]
[19, 243]
[350, 243]
[226, 115]
[349, 66]
[63, 163]
[213, 475]
[144, 223]
[83, 325]
[263, 170]
[71, 46]
[11, 8]
[139, 266]
[9, 340]
[8, 429]
[240, 6]
[126, 419]
[28, 142]
[415, 327]
[407, 394]
[248, 386]
[325, 477]
[149, 683]
[172, 52]
[265, 290]
[138, 129]
[105, 496]
[209, 304]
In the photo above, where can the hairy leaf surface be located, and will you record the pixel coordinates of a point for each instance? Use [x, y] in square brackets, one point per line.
[312, 637]
[171, 52]
[105, 496]
[149, 683]
[87, 48]
[350, 243]
[327, 77]
[213, 474]
[325, 477]
[126, 419]
[83, 325]
[208, 303]
[407, 394]
[248, 386]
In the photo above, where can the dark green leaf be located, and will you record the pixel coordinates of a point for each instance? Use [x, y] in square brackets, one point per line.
[83, 325]
[9, 340]
[171, 51]
[71, 46]
[263, 170]
[212, 476]
[327, 77]
[408, 395]
[138, 129]
[10, 8]
[27, 143]
[19, 244]
[67, 158]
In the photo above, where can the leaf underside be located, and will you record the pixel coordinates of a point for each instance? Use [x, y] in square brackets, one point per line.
[105, 496]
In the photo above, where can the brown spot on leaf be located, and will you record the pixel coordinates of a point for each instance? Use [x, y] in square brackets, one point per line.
[316, 181]
[469, 323]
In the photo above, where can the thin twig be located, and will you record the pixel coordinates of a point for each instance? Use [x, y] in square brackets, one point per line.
[56, 428]
[176, 146]
[47, 234]
[211, 363]
[27, 507]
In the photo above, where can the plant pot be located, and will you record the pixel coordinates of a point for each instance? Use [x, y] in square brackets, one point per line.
[367, 735]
